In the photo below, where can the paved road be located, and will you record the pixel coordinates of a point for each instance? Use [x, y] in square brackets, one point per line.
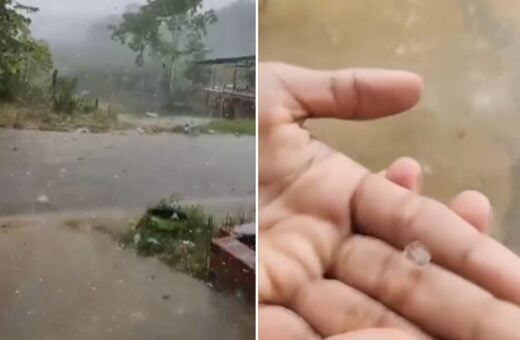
[85, 171]
[61, 278]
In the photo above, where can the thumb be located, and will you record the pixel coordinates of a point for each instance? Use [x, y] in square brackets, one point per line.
[374, 334]
[343, 94]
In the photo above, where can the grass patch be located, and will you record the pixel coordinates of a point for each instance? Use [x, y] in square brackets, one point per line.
[230, 126]
[14, 116]
[183, 240]
[182, 243]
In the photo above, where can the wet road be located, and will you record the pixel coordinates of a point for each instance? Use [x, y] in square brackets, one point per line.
[87, 171]
[65, 198]
[465, 130]
[63, 277]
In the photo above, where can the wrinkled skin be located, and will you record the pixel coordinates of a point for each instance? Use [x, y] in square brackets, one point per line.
[332, 233]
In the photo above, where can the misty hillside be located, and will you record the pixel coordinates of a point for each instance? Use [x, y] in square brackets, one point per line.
[82, 43]
[234, 33]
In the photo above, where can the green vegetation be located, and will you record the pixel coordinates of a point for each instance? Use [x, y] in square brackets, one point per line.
[107, 68]
[87, 83]
[183, 242]
[219, 126]
[15, 116]
[171, 33]
[144, 30]
[23, 60]
[235, 126]
[31, 95]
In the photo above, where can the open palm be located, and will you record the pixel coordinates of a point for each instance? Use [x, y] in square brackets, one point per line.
[331, 233]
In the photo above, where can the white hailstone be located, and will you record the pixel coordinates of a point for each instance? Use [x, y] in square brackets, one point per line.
[417, 253]
[43, 199]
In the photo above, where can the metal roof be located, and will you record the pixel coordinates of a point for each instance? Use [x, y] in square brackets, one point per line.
[248, 60]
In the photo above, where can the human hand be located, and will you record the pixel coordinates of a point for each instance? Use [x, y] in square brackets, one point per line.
[331, 232]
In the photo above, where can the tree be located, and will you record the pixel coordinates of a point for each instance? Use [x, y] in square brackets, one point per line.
[164, 28]
[170, 31]
[197, 74]
[21, 56]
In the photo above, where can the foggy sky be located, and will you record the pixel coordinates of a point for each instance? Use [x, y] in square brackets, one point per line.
[98, 7]
[66, 21]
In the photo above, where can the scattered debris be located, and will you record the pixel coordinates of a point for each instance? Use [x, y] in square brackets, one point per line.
[150, 129]
[152, 241]
[14, 148]
[152, 114]
[168, 213]
[166, 297]
[189, 244]
[82, 130]
[191, 129]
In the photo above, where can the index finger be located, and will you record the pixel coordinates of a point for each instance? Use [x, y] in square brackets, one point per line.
[398, 216]
[343, 94]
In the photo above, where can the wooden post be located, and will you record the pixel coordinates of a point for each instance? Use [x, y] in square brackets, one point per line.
[208, 245]
[221, 113]
[235, 77]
